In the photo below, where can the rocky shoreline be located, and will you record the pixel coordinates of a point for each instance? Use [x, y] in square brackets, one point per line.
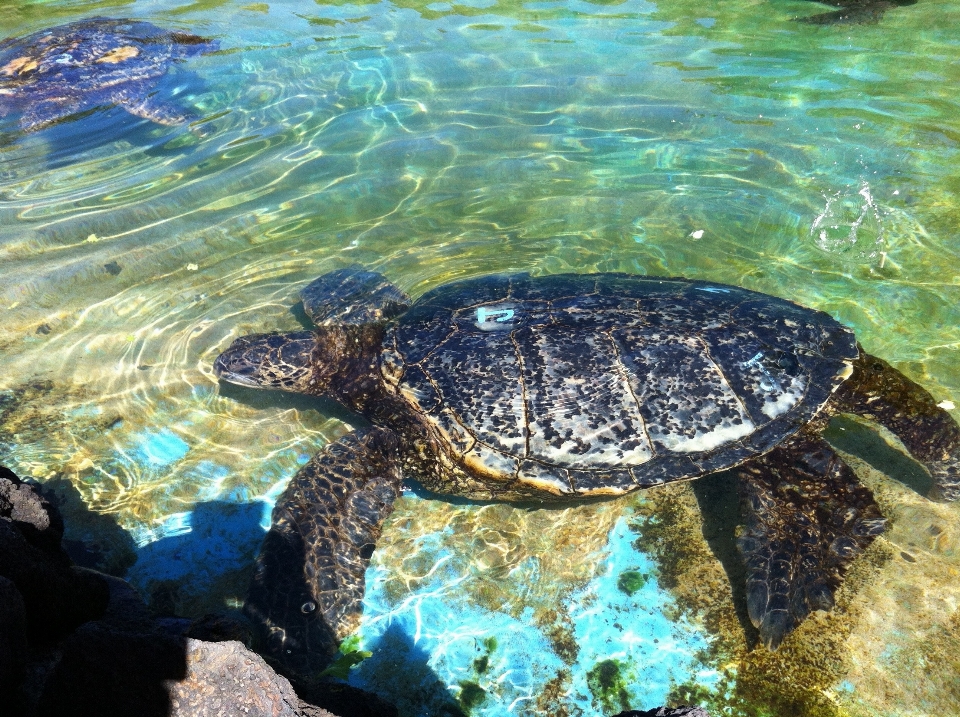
[79, 642]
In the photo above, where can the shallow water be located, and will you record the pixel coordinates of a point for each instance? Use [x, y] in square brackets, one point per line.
[433, 141]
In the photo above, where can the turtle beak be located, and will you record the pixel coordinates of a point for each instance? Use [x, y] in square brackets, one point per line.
[226, 370]
[237, 365]
[280, 361]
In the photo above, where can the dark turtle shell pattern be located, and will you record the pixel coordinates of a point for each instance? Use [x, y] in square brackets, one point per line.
[590, 385]
[72, 68]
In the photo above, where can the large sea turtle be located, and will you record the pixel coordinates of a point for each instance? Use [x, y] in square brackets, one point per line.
[569, 387]
[56, 73]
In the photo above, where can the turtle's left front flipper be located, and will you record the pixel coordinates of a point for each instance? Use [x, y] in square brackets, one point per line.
[141, 100]
[306, 592]
[879, 392]
[807, 517]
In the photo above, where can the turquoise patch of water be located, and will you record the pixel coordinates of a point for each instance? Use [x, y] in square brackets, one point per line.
[161, 448]
[632, 629]
[197, 548]
[433, 646]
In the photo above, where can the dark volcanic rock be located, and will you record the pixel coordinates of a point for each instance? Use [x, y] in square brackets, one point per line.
[77, 642]
[57, 597]
[104, 670]
[225, 678]
[13, 637]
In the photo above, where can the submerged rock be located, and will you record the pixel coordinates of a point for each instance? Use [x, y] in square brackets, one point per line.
[854, 12]
[73, 641]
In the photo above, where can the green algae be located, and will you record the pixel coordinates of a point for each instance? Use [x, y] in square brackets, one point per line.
[630, 581]
[482, 663]
[608, 685]
[471, 695]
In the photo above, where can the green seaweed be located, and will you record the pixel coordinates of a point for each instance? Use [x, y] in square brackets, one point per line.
[608, 686]
[350, 656]
[471, 695]
[630, 581]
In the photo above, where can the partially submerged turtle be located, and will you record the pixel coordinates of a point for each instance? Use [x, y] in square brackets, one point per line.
[854, 12]
[56, 73]
[568, 387]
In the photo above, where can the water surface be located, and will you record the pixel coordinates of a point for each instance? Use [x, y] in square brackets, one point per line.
[434, 141]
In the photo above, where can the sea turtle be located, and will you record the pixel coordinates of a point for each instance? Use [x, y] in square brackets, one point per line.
[561, 388]
[854, 12]
[56, 73]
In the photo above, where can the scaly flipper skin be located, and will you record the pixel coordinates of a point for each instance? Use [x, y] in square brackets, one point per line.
[880, 393]
[141, 102]
[44, 114]
[306, 592]
[807, 518]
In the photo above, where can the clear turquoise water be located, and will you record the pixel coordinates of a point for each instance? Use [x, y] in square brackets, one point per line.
[436, 141]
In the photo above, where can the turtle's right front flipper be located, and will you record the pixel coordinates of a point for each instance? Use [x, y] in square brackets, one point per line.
[306, 591]
[879, 392]
[807, 518]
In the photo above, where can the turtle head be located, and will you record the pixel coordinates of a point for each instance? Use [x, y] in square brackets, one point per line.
[335, 361]
[281, 361]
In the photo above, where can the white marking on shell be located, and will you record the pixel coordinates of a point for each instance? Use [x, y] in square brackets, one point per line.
[496, 317]
[784, 400]
[582, 412]
[704, 441]
[686, 399]
[843, 374]
[491, 463]
[545, 481]
[414, 396]
[777, 399]
[605, 490]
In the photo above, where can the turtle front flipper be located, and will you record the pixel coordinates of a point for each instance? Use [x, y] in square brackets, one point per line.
[880, 393]
[40, 115]
[140, 101]
[352, 296]
[306, 591]
[807, 517]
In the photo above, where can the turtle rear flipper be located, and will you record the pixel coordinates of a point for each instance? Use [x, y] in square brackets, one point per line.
[306, 591]
[807, 517]
[879, 392]
[352, 296]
